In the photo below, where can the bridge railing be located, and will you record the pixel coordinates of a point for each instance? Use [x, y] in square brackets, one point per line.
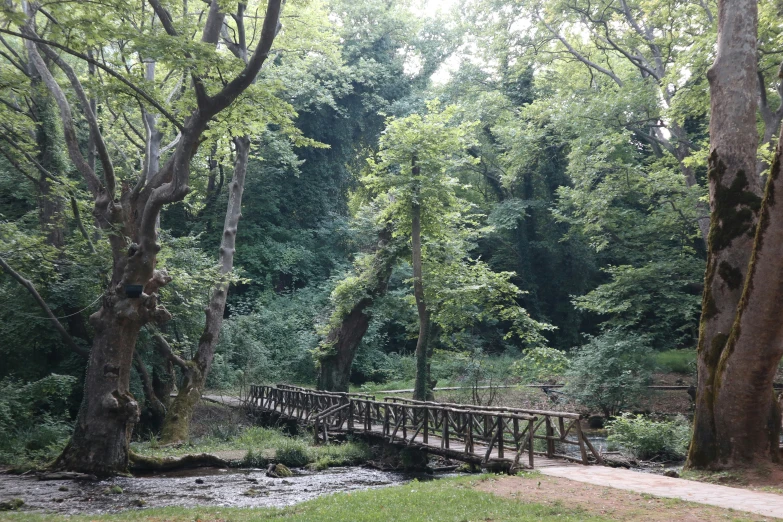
[473, 433]
[555, 425]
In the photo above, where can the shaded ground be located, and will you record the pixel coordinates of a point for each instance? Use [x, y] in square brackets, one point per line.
[767, 479]
[606, 502]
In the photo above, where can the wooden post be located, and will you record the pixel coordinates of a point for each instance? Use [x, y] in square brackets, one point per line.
[444, 443]
[581, 438]
[562, 427]
[550, 432]
[469, 435]
[500, 437]
[404, 419]
[426, 425]
[530, 429]
[350, 415]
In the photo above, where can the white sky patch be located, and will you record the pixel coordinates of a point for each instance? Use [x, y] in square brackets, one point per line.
[430, 8]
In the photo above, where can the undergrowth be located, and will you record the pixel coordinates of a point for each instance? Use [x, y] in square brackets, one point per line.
[264, 446]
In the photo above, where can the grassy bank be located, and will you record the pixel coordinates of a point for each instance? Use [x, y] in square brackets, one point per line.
[442, 500]
[255, 446]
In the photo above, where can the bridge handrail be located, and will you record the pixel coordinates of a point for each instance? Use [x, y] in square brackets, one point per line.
[323, 392]
[496, 426]
[564, 414]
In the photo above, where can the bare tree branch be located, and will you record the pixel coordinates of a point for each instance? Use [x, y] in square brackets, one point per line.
[149, 99]
[38, 299]
[579, 56]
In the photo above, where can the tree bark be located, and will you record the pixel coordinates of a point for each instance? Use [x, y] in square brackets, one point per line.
[737, 420]
[334, 369]
[422, 389]
[101, 438]
[100, 443]
[177, 422]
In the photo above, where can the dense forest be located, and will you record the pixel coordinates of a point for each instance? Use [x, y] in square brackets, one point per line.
[346, 193]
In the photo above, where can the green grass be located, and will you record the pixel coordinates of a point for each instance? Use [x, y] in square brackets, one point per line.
[442, 500]
[265, 445]
[677, 361]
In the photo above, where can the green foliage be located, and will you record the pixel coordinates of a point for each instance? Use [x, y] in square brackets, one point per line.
[610, 373]
[541, 363]
[293, 454]
[647, 439]
[273, 342]
[34, 419]
[264, 446]
[677, 361]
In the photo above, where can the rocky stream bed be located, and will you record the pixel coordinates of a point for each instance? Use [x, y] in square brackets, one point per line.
[205, 486]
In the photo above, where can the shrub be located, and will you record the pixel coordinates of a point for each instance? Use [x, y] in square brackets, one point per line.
[647, 439]
[541, 363]
[293, 453]
[611, 372]
[34, 422]
[677, 361]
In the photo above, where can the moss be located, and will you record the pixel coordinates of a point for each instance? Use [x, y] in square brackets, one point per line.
[709, 308]
[735, 207]
[718, 342]
[731, 275]
[11, 505]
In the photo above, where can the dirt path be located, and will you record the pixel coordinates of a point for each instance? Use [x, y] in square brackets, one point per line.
[609, 502]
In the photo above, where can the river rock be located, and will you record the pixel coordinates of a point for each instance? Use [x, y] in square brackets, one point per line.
[278, 471]
[671, 473]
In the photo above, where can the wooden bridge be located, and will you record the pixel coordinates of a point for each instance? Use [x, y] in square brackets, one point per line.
[507, 438]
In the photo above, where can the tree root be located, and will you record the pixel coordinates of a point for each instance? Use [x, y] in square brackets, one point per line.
[201, 460]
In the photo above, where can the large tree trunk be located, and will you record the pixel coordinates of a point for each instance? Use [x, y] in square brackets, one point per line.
[737, 419]
[100, 441]
[177, 422]
[334, 366]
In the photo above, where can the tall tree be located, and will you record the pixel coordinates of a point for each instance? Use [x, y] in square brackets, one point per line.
[737, 419]
[129, 214]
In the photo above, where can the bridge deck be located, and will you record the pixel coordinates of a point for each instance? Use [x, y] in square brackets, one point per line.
[505, 437]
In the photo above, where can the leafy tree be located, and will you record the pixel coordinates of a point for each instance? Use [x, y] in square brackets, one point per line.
[129, 215]
[610, 373]
[411, 174]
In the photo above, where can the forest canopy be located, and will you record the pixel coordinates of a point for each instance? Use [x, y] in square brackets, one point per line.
[355, 192]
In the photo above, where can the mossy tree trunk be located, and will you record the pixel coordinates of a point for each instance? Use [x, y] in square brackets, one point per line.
[737, 419]
[334, 368]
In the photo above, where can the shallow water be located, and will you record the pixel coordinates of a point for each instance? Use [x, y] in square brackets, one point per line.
[219, 487]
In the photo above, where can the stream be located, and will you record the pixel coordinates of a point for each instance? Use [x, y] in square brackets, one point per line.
[201, 487]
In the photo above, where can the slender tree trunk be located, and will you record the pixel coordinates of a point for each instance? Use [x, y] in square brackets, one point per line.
[334, 368]
[422, 389]
[177, 422]
[737, 420]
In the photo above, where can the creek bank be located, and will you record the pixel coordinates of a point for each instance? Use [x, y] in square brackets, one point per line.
[192, 488]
